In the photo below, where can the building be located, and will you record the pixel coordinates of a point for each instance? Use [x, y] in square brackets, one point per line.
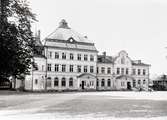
[69, 61]
[159, 83]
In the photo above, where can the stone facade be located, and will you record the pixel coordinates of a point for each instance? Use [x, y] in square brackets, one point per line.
[69, 61]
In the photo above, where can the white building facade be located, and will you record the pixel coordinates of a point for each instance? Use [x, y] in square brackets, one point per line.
[69, 61]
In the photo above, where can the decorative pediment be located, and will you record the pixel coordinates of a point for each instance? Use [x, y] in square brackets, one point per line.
[87, 75]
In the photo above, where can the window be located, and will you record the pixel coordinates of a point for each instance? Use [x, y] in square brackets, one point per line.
[85, 69]
[71, 56]
[134, 71]
[63, 82]
[138, 71]
[127, 71]
[71, 68]
[63, 68]
[50, 55]
[122, 83]
[97, 83]
[36, 81]
[49, 67]
[122, 60]
[122, 71]
[56, 67]
[118, 70]
[139, 82]
[79, 56]
[35, 66]
[97, 69]
[91, 83]
[56, 55]
[78, 68]
[91, 58]
[71, 82]
[109, 83]
[85, 57]
[49, 82]
[103, 70]
[91, 69]
[144, 72]
[102, 82]
[144, 81]
[63, 56]
[109, 70]
[56, 82]
[134, 83]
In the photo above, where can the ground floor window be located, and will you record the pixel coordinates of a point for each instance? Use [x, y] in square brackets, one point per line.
[139, 82]
[134, 83]
[63, 82]
[49, 82]
[97, 83]
[109, 83]
[56, 82]
[71, 82]
[36, 81]
[102, 82]
[144, 81]
[122, 83]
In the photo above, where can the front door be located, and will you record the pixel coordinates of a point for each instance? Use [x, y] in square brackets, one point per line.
[128, 86]
[82, 85]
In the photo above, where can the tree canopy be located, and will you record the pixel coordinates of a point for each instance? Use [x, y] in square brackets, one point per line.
[16, 38]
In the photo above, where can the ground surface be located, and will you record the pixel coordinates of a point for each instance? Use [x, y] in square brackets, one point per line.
[84, 105]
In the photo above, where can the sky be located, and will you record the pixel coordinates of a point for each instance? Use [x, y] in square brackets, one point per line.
[136, 26]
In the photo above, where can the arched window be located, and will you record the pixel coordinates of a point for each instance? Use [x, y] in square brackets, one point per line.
[56, 81]
[97, 83]
[144, 81]
[71, 82]
[102, 82]
[49, 82]
[63, 82]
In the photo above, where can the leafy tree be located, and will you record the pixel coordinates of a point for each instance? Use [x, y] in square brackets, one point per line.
[16, 39]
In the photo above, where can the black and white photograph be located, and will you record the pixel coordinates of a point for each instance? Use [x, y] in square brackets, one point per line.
[83, 59]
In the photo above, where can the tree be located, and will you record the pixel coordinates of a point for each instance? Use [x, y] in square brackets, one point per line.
[16, 39]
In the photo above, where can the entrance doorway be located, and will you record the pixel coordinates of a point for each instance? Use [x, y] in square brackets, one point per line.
[82, 85]
[128, 86]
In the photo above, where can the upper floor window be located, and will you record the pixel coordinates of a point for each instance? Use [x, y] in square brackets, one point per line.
[63, 56]
[71, 68]
[139, 82]
[91, 69]
[118, 70]
[49, 67]
[122, 60]
[78, 68]
[85, 57]
[91, 58]
[50, 55]
[127, 71]
[97, 70]
[144, 81]
[144, 72]
[63, 68]
[85, 68]
[103, 70]
[122, 71]
[56, 55]
[56, 67]
[109, 70]
[134, 71]
[71, 56]
[139, 72]
[79, 56]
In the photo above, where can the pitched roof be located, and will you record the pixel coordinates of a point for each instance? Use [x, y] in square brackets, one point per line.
[105, 59]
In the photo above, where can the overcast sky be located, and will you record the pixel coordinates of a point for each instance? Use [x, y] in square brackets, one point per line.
[137, 26]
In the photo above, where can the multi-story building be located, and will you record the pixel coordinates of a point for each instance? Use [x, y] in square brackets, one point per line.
[69, 61]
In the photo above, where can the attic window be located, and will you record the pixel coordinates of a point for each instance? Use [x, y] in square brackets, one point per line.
[71, 39]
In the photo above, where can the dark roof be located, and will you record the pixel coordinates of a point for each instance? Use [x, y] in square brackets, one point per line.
[139, 64]
[105, 59]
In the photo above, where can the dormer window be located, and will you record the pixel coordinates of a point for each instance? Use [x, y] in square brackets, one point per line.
[71, 39]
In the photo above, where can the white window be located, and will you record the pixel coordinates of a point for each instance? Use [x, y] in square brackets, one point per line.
[49, 67]
[63, 56]
[91, 69]
[56, 67]
[103, 70]
[56, 82]
[78, 68]
[91, 58]
[79, 56]
[85, 69]
[71, 56]
[63, 68]
[56, 55]
[71, 68]
[85, 57]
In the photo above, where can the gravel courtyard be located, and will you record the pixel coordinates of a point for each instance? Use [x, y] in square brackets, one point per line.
[84, 105]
